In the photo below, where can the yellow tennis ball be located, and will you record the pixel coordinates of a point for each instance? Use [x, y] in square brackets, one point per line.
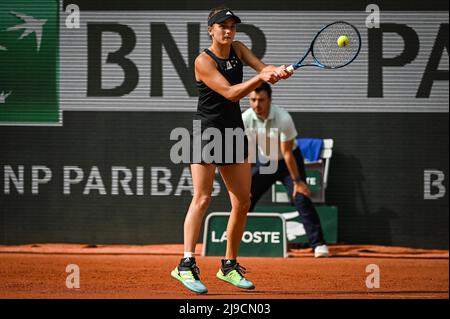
[343, 41]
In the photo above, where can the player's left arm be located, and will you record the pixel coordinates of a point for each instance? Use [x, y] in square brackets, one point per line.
[246, 55]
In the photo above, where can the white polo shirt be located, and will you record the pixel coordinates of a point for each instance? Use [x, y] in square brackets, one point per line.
[278, 118]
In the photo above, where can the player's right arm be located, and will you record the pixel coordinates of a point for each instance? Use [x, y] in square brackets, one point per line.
[246, 55]
[206, 71]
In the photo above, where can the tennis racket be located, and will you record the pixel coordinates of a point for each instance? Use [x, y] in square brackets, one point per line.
[326, 49]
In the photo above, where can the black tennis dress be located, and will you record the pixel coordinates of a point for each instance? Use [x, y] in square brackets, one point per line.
[215, 111]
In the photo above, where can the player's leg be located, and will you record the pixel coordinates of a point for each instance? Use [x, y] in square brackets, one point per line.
[187, 271]
[202, 181]
[237, 179]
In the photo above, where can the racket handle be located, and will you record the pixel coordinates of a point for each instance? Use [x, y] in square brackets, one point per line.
[290, 68]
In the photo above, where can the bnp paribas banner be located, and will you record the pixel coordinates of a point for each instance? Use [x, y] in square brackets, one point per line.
[29, 62]
[139, 56]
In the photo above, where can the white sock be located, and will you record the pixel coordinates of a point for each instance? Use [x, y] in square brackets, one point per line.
[188, 254]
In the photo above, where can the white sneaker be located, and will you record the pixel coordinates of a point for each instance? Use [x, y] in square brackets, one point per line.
[321, 251]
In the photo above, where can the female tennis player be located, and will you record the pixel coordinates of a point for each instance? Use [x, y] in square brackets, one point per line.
[218, 73]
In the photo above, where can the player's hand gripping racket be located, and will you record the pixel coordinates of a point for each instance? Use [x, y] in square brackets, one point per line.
[335, 46]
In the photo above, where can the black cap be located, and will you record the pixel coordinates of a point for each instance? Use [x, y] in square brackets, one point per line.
[221, 16]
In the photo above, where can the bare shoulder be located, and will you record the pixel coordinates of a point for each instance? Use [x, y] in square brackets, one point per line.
[203, 64]
[202, 59]
[239, 47]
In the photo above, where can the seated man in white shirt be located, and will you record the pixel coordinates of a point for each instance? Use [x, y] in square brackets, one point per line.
[290, 169]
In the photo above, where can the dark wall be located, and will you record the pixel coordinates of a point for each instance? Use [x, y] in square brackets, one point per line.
[377, 171]
[377, 175]
[376, 178]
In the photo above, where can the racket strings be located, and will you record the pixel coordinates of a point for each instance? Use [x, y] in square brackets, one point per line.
[326, 49]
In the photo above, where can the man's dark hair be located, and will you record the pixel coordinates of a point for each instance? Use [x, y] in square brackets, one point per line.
[265, 87]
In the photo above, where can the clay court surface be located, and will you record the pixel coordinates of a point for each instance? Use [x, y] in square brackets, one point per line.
[39, 271]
